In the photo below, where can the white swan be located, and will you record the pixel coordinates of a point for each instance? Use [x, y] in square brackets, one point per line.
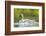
[26, 22]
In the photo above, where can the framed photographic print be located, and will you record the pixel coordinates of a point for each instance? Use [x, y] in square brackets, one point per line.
[24, 17]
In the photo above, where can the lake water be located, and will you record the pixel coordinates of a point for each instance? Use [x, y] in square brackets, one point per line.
[26, 23]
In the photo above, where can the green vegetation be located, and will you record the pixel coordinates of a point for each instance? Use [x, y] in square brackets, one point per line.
[32, 14]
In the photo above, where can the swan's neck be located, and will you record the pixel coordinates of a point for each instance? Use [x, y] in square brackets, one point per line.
[22, 16]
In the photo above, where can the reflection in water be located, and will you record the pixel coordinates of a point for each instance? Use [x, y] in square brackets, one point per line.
[26, 23]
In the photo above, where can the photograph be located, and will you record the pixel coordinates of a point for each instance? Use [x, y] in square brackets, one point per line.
[25, 17]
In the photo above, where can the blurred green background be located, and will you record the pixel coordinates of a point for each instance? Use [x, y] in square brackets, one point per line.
[32, 14]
